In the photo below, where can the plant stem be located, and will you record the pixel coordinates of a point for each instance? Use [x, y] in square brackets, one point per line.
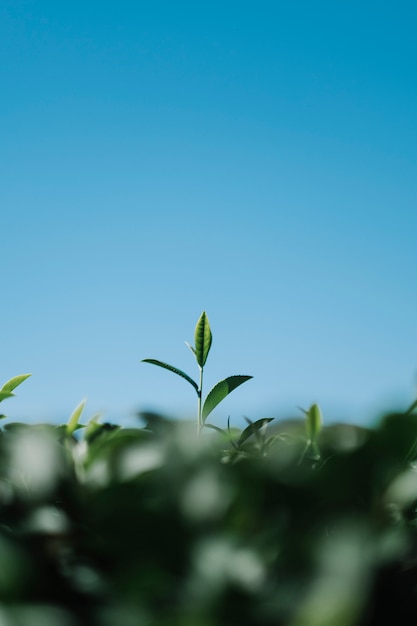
[199, 409]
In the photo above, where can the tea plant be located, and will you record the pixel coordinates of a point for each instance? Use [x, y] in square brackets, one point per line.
[311, 525]
[203, 340]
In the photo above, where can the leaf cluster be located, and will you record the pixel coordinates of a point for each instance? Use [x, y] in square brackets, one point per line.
[150, 525]
[203, 340]
[281, 523]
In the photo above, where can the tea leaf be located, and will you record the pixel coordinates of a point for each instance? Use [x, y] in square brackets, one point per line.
[313, 422]
[253, 428]
[3, 396]
[171, 368]
[14, 382]
[220, 391]
[203, 339]
[72, 424]
[216, 428]
[92, 425]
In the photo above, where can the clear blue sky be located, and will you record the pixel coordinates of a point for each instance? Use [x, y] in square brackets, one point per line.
[253, 159]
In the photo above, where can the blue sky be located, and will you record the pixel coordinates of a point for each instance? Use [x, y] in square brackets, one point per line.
[255, 160]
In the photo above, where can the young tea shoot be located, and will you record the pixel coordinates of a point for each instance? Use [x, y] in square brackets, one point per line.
[313, 424]
[202, 344]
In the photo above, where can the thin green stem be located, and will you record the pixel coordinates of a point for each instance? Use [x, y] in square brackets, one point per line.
[199, 408]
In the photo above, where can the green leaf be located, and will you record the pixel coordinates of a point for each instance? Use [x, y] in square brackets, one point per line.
[220, 391]
[216, 428]
[72, 424]
[92, 425]
[171, 368]
[5, 394]
[14, 382]
[313, 422]
[253, 428]
[203, 339]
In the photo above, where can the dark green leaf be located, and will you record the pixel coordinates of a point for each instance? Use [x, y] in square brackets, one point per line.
[203, 339]
[171, 368]
[253, 428]
[220, 391]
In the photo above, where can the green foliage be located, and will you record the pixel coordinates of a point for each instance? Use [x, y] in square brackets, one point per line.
[280, 523]
[220, 391]
[203, 339]
[112, 525]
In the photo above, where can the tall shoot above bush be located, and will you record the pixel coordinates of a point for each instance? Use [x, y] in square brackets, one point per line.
[202, 344]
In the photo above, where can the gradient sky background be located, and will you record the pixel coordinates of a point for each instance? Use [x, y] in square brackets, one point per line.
[253, 159]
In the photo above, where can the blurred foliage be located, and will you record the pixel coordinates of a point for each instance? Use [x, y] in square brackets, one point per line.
[292, 523]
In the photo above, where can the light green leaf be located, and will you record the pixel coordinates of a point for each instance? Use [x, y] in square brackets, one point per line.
[171, 368]
[92, 425]
[5, 394]
[253, 428]
[72, 424]
[314, 422]
[14, 382]
[203, 339]
[220, 391]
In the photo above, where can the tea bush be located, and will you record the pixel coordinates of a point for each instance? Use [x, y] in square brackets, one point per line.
[293, 523]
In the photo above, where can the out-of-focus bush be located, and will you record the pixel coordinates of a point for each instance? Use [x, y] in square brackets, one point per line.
[155, 526]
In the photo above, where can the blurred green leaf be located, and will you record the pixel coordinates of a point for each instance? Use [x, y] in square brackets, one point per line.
[314, 422]
[203, 339]
[253, 428]
[93, 425]
[220, 391]
[216, 428]
[72, 424]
